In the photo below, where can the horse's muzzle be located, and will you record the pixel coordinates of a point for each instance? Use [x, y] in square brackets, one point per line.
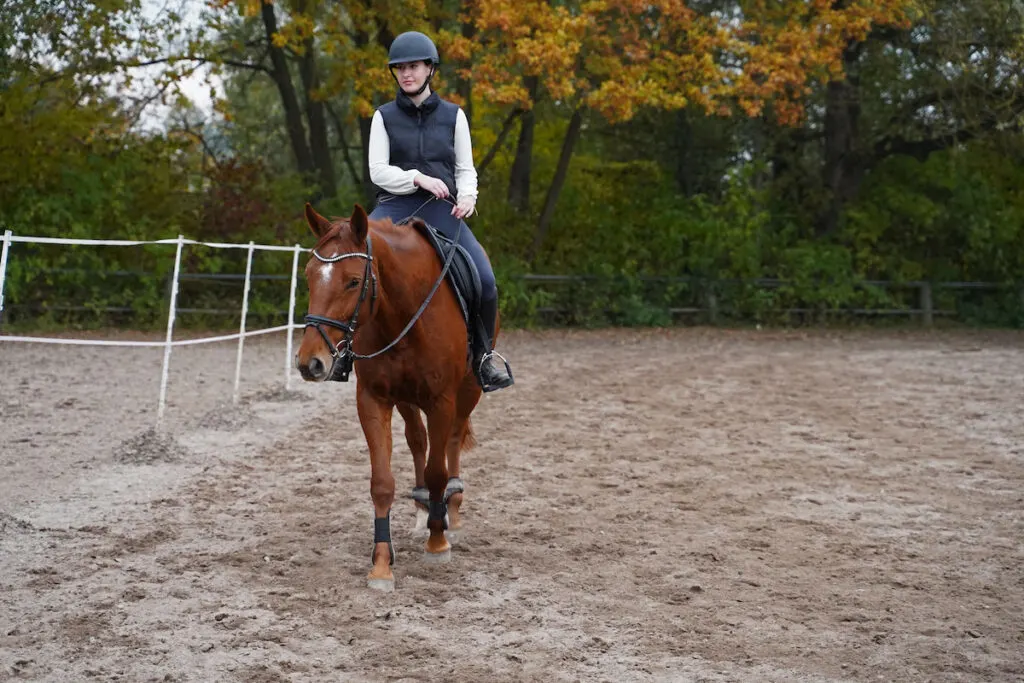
[312, 371]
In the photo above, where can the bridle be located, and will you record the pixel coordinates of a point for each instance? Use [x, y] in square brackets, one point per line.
[342, 355]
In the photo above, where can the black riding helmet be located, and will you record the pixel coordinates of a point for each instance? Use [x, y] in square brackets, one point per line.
[413, 46]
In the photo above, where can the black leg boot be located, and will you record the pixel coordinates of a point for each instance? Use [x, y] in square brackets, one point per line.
[491, 369]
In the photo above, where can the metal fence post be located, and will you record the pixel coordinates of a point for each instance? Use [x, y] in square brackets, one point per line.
[3, 270]
[241, 326]
[171, 311]
[712, 304]
[927, 309]
[291, 321]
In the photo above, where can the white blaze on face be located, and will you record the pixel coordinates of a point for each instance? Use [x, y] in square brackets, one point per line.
[325, 273]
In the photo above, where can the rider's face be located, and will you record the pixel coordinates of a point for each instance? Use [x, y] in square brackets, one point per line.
[411, 75]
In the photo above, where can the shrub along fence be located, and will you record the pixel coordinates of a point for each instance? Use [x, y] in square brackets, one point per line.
[549, 300]
[60, 284]
[647, 300]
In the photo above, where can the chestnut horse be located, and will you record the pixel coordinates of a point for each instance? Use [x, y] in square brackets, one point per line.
[377, 296]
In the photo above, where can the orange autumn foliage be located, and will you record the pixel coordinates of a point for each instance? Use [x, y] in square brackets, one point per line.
[617, 56]
[614, 57]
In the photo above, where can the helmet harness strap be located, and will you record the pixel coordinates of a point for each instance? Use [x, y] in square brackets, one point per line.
[430, 76]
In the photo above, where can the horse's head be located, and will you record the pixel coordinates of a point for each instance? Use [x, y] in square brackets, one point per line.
[342, 292]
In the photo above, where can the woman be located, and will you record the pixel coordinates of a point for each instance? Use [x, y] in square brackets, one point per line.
[421, 159]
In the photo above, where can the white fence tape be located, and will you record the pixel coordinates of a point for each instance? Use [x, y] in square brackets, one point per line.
[139, 243]
[161, 344]
[169, 342]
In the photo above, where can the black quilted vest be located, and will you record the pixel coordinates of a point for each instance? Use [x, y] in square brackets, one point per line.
[422, 138]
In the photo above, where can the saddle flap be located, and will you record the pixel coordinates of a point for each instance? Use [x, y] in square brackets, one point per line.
[463, 275]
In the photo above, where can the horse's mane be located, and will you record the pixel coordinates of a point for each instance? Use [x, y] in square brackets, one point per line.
[395, 234]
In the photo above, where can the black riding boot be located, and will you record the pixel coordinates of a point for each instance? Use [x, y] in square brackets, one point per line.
[491, 369]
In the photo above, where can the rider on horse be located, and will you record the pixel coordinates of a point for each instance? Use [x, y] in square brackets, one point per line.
[421, 159]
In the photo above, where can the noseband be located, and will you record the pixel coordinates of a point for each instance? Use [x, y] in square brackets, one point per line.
[342, 354]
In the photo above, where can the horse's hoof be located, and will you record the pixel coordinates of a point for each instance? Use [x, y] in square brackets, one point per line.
[443, 557]
[380, 578]
[382, 585]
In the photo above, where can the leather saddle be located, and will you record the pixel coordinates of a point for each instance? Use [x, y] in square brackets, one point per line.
[463, 276]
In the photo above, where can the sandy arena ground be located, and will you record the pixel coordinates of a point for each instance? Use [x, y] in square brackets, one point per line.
[685, 505]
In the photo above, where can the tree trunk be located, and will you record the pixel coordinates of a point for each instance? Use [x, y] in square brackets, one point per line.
[384, 38]
[346, 155]
[318, 140]
[796, 184]
[844, 160]
[369, 189]
[464, 86]
[283, 79]
[499, 142]
[783, 150]
[572, 135]
[682, 142]
[519, 179]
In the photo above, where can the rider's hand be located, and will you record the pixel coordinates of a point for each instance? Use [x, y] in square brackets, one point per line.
[465, 207]
[434, 186]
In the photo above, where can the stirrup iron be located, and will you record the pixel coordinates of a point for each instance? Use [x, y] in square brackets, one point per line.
[484, 359]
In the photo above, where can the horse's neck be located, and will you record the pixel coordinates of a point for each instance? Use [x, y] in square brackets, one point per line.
[401, 290]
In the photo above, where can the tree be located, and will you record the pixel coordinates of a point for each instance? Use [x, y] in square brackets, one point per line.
[613, 58]
[902, 83]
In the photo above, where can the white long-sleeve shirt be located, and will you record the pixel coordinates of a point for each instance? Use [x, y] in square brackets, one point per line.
[398, 181]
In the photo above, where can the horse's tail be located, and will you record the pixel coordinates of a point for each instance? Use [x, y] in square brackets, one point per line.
[468, 437]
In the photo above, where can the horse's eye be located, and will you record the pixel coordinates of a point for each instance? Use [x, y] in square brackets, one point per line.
[353, 283]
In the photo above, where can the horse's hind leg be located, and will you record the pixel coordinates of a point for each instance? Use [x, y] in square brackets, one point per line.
[462, 439]
[440, 420]
[416, 437]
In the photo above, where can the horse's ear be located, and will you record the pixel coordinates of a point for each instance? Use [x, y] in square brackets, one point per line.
[360, 224]
[317, 223]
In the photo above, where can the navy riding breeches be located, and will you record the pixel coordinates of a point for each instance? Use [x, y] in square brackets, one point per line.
[438, 213]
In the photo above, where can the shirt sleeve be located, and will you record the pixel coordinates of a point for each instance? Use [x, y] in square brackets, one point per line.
[465, 170]
[385, 176]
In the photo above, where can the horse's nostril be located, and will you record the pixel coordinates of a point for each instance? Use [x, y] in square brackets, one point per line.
[316, 368]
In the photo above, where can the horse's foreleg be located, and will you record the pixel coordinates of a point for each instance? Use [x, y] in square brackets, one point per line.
[416, 437]
[439, 429]
[375, 418]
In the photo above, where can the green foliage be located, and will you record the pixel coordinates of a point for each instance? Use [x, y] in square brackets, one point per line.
[957, 216]
[72, 172]
[673, 211]
[642, 249]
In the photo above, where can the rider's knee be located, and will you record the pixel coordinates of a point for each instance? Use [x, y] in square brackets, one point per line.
[488, 288]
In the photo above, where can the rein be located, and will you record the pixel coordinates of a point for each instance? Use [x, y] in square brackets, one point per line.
[343, 355]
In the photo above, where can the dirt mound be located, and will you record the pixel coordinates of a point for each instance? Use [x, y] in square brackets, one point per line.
[148, 448]
[227, 417]
[12, 524]
[277, 395]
